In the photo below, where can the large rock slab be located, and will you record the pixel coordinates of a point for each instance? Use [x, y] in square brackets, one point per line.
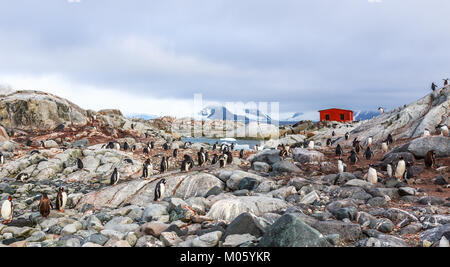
[420, 146]
[291, 231]
[228, 209]
[304, 155]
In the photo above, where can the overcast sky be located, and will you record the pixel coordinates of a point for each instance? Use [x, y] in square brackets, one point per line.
[146, 56]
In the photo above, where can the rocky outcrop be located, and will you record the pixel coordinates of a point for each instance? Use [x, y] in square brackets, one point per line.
[29, 110]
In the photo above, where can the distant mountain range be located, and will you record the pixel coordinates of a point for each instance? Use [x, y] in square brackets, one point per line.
[141, 116]
[364, 115]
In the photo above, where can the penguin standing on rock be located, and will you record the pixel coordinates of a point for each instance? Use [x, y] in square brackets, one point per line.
[347, 136]
[145, 150]
[61, 199]
[229, 157]
[126, 146]
[369, 141]
[2, 158]
[353, 158]
[368, 154]
[187, 163]
[7, 210]
[338, 150]
[384, 147]
[222, 160]
[433, 86]
[409, 173]
[45, 205]
[426, 132]
[166, 146]
[80, 164]
[371, 175]
[389, 139]
[160, 189]
[443, 129]
[201, 157]
[175, 152]
[389, 170]
[114, 177]
[152, 145]
[215, 159]
[333, 133]
[446, 82]
[342, 167]
[381, 110]
[430, 159]
[164, 164]
[311, 145]
[22, 176]
[358, 147]
[329, 142]
[144, 170]
[400, 169]
[241, 154]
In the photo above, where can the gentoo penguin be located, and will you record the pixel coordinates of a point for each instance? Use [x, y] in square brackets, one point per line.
[430, 159]
[114, 177]
[389, 140]
[214, 146]
[409, 173]
[241, 154]
[229, 157]
[187, 163]
[232, 146]
[256, 148]
[126, 146]
[110, 145]
[7, 210]
[358, 147]
[145, 150]
[368, 154]
[426, 132]
[80, 164]
[329, 142]
[369, 141]
[338, 150]
[201, 157]
[133, 148]
[354, 141]
[384, 147]
[144, 170]
[342, 167]
[22, 176]
[333, 133]
[353, 158]
[61, 199]
[186, 145]
[283, 153]
[116, 146]
[44, 205]
[433, 86]
[160, 188]
[206, 156]
[2, 158]
[35, 152]
[389, 170]
[347, 136]
[446, 82]
[42, 144]
[400, 169]
[164, 166]
[381, 110]
[371, 175]
[175, 152]
[127, 160]
[443, 129]
[29, 143]
[311, 145]
[215, 159]
[152, 145]
[165, 146]
[222, 160]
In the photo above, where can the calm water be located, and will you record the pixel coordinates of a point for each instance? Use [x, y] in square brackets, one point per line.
[211, 141]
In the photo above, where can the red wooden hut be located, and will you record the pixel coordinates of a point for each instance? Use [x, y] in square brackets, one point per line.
[336, 114]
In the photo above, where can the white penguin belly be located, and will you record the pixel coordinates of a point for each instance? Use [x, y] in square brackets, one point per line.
[311, 145]
[6, 210]
[64, 200]
[372, 176]
[400, 170]
[162, 190]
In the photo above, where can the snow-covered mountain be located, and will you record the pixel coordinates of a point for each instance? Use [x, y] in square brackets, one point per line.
[361, 115]
[141, 116]
[244, 115]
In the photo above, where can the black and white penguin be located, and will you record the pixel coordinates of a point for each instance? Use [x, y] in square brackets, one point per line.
[389, 170]
[368, 153]
[116, 146]
[187, 164]
[329, 142]
[409, 172]
[241, 154]
[338, 150]
[29, 143]
[201, 157]
[426, 132]
[389, 139]
[215, 159]
[2, 158]
[384, 147]
[371, 176]
[381, 110]
[222, 161]
[21, 177]
[229, 157]
[144, 170]
[127, 160]
[206, 156]
[175, 153]
[45, 205]
[160, 189]
[214, 146]
[443, 129]
[400, 169]
[7, 210]
[358, 147]
[163, 166]
[126, 146]
[133, 148]
[354, 141]
[342, 167]
[145, 150]
[114, 177]
[42, 144]
[369, 141]
[80, 164]
[446, 82]
[333, 134]
[430, 159]
[35, 152]
[283, 153]
[165, 146]
[152, 145]
[61, 199]
[347, 136]
[353, 158]
[433, 86]
[232, 146]
[110, 145]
